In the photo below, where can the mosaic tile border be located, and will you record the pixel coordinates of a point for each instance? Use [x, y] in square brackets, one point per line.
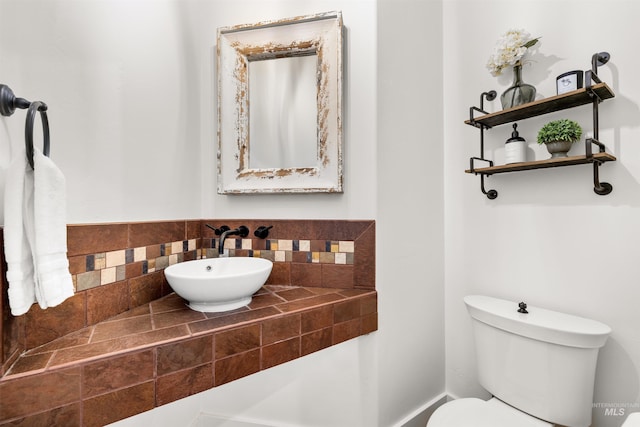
[110, 267]
[338, 252]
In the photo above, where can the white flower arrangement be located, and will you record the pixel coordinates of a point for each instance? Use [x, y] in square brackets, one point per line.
[510, 49]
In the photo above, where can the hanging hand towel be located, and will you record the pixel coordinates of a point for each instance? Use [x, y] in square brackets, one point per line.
[36, 235]
[53, 283]
[16, 246]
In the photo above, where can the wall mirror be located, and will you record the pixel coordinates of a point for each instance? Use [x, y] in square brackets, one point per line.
[280, 106]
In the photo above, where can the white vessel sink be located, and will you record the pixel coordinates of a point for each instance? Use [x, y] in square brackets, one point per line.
[218, 284]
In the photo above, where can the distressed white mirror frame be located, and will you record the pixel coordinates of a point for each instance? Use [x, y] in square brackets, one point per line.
[319, 35]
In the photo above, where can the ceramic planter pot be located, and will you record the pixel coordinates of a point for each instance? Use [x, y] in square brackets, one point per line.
[558, 148]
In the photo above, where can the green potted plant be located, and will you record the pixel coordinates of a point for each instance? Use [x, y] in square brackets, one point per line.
[559, 135]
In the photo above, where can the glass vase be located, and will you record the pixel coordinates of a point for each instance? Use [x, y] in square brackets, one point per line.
[519, 93]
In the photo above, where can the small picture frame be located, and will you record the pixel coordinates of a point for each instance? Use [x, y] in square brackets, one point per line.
[569, 81]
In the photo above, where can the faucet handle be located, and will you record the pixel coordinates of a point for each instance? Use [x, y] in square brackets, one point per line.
[262, 232]
[218, 231]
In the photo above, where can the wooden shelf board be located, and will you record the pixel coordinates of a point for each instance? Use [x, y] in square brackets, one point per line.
[542, 164]
[543, 106]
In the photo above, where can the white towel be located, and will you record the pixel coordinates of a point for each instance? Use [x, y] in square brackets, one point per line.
[16, 247]
[36, 234]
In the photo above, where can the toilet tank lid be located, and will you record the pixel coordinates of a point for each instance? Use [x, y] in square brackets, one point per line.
[540, 324]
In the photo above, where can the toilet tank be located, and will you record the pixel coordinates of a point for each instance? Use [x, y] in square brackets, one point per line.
[542, 363]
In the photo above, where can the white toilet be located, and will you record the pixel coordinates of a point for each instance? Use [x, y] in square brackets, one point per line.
[540, 367]
[633, 420]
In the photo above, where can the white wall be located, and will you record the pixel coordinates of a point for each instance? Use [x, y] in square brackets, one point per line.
[117, 78]
[131, 93]
[130, 86]
[548, 238]
[409, 229]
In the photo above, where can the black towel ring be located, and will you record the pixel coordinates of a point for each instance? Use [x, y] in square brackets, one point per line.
[28, 131]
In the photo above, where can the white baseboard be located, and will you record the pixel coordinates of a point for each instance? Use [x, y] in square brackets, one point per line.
[210, 420]
[420, 416]
[451, 397]
[417, 418]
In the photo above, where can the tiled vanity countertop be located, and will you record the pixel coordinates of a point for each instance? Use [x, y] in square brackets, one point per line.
[163, 351]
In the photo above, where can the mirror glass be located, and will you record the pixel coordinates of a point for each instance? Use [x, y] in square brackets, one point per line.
[283, 112]
[280, 106]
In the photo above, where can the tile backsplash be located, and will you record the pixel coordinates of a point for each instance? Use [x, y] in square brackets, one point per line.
[117, 267]
[109, 267]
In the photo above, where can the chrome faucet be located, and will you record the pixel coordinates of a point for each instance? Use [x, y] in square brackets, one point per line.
[241, 231]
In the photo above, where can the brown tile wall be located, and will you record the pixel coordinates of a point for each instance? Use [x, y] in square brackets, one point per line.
[97, 391]
[140, 281]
